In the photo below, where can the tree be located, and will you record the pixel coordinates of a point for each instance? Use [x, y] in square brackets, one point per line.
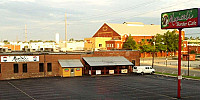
[40, 41]
[130, 44]
[31, 41]
[144, 47]
[171, 40]
[159, 43]
[72, 39]
[6, 42]
[191, 38]
[186, 38]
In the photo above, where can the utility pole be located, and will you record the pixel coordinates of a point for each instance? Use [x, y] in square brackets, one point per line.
[25, 33]
[65, 30]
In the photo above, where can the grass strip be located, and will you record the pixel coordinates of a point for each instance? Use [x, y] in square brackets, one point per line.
[184, 76]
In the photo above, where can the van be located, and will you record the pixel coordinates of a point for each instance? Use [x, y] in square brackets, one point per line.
[143, 69]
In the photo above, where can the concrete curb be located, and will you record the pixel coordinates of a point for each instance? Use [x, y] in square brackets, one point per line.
[176, 77]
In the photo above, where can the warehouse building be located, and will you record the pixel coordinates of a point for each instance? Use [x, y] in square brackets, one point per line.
[18, 65]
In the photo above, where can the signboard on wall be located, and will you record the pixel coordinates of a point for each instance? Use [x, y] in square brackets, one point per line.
[124, 71]
[111, 71]
[181, 19]
[19, 58]
[98, 72]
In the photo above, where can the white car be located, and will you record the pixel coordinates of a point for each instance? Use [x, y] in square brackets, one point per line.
[143, 69]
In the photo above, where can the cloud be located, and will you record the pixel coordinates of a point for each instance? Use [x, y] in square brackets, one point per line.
[83, 16]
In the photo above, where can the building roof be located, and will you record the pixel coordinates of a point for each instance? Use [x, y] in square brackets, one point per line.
[137, 29]
[70, 63]
[107, 61]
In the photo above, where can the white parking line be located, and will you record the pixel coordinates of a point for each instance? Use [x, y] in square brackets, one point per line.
[21, 91]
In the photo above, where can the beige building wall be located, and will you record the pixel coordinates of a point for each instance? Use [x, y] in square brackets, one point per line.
[96, 43]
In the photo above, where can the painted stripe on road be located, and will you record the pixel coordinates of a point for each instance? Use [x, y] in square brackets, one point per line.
[21, 91]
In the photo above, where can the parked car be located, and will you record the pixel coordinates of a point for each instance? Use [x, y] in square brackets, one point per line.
[143, 69]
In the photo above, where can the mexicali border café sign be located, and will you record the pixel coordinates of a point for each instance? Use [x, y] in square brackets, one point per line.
[19, 58]
[181, 19]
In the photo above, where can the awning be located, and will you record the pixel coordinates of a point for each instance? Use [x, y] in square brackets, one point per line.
[70, 63]
[107, 61]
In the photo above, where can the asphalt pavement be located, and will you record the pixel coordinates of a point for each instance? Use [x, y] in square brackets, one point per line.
[125, 87]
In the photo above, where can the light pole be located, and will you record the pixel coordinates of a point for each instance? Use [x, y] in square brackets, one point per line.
[153, 52]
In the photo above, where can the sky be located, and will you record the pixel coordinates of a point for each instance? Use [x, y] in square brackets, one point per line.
[45, 18]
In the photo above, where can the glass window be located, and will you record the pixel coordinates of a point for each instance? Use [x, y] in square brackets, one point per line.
[49, 67]
[143, 40]
[72, 70]
[24, 68]
[100, 45]
[41, 67]
[16, 70]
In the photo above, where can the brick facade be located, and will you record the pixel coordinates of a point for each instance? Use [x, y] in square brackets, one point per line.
[7, 68]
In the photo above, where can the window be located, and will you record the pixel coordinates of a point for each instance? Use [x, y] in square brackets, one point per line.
[143, 40]
[0, 68]
[72, 70]
[133, 61]
[134, 67]
[41, 67]
[16, 70]
[24, 68]
[49, 67]
[100, 45]
[107, 45]
[117, 45]
[148, 40]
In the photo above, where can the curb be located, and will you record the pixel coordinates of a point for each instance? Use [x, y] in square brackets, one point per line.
[176, 77]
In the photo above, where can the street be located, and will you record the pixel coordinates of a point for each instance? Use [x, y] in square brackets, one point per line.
[160, 66]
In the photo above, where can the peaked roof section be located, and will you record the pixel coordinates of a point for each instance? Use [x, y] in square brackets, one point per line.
[136, 29]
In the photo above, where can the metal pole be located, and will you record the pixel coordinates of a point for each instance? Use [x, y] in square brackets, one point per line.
[188, 60]
[153, 52]
[179, 65]
[166, 58]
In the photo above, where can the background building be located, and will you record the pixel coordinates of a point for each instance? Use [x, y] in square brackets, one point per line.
[117, 34]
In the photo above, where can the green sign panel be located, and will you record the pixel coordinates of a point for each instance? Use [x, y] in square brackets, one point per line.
[66, 70]
[180, 19]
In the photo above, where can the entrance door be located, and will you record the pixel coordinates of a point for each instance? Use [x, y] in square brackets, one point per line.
[72, 72]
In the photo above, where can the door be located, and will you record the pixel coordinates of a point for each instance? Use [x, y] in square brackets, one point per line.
[72, 72]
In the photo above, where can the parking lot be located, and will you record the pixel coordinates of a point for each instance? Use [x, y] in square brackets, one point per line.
[125, 87]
